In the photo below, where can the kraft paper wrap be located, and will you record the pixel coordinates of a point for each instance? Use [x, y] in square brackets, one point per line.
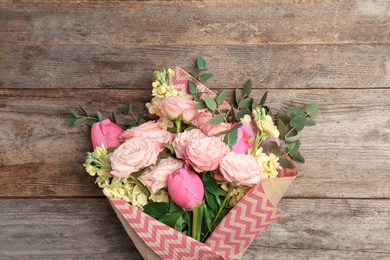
[233, 235]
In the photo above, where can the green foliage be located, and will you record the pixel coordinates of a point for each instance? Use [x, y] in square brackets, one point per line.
[81, 116]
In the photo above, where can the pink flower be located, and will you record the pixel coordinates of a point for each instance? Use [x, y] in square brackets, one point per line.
[155, 178]
[211, 130]
[241, 169]
[161, 136]
[181, 140]
[245, 138]
[185, 188]
[138, 130]
[133, 155]
[172, 107]
[106, 133]
[206, 154]
[201, 119]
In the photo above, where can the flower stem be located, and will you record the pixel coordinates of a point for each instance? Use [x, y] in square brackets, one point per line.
[178, 126]
[142, 187]
[197, 222]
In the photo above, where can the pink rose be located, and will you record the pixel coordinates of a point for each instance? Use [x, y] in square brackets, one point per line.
[211, 130]
[155, 178]
[133, 155]
[106, 133]
[241, 169]
[161, 136]
[181, 140]
[138, 130]
[185, 188]
[173, 107]
[201, 119]
[245, 138]
[206, 154]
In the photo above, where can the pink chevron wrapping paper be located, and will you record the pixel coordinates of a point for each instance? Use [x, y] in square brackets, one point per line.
[234, 234]
[243, 224]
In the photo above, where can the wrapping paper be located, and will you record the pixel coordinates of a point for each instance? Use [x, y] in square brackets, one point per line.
[233, 235]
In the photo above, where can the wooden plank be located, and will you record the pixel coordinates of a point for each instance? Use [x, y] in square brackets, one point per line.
[195, 22]
[132, 66]
[88, 228]
[344, 159]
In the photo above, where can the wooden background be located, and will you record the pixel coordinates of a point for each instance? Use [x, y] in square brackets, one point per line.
[61, 54]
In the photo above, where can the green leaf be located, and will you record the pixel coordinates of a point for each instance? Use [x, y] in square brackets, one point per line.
[281, 129]
[246, 91]
[156, 209]
[236, 96]
[131, 123]
[210, 184]
[71, 120]
[201, 64]
[298, 122]
[240, 114]
[290, 132]
[207, 218]
[295, 111]
[113, 117]
[100, 116]
[210, 103]
[171, 218]
[284, 162]
[245, 103]
[310, 121]
[293, 147]
[181, 224]
[124, 109]
[90, 122]
[205, 77]
[221, 97]
[74, 113]
[215, 120]
[211, 201]
[263, 99]
[192, 87]
[298, 157]
[80, 120]
[231, 138]
[273, 147]
[285, 119]
[200, 105]
[312, 109]
[83, 111]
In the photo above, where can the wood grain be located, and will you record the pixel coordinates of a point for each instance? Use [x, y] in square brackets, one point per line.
[47, 154]
[195, 22]
[116, 66]
[308, 229]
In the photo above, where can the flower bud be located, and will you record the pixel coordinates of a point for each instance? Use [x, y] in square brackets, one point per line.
[106, 133]
[185, 188]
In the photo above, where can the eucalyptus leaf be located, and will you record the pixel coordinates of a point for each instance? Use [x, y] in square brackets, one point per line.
[210, 103]
[221, 97]
[231, 138]
[205, 77]
[200, 105]
[215, 120]
[124, 109]
[100, 116]
[71, 120]
[310, 122]
[282, 129]
[156, 209]
[263, 99]
[298, 157]
[293, 147]
[246, 91]
[285, 119]
[192, 87]
[245, 103]
[298, 122]
[284, 162]
[240, 114]
[312, 109]
[237, 96]
[273, 147]
[201, 64]
[295, 111]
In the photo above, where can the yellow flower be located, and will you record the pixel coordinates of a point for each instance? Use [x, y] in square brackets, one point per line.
[268, 164]
[160, 196]
[266, 125]
[91, 170]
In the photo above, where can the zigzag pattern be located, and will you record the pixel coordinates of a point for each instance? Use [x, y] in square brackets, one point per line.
[243, 224]
[163, 240]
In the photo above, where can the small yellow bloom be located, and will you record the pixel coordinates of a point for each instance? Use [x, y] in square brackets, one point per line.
[91, 170]
[268, 164]
[160, 196]
[266, 125]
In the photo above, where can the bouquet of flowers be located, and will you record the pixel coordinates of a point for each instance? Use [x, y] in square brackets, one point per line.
[195, 177]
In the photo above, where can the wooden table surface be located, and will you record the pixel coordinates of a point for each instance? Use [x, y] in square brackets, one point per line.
[56, 55]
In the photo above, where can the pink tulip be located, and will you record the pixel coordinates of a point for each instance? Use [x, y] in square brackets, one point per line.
[245, 139]
[185, 188]
[106, 133]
